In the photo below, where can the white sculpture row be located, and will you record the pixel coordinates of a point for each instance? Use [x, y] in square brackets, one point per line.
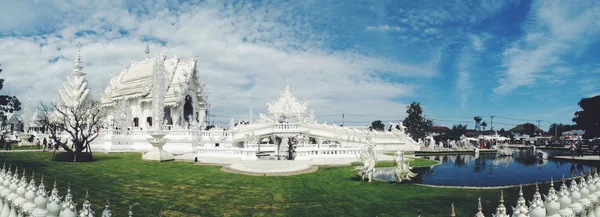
[367, 157]
[19, 199]
[580, 199]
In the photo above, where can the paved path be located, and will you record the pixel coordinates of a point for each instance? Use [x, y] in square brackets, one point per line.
[584, 158]
[22, 150]
[274, 167]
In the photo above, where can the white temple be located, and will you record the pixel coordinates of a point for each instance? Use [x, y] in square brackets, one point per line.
[128, 96]
[288, 131]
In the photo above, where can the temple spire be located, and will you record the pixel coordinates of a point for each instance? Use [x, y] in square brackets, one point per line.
[479, 208]
[147, 50]
[78, 67]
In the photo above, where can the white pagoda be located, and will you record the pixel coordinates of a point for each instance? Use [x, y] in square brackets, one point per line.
[75, 89]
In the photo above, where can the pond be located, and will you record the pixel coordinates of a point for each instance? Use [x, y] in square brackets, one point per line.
[486, 170]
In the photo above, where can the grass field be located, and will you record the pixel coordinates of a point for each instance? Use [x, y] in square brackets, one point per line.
[185, 189]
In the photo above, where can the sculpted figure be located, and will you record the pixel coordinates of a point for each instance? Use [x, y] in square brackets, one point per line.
[402, 171]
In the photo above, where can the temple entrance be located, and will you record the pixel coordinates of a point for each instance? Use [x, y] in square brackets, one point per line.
[188, 109]
[149, 121]
[167, 114]
[136, 122]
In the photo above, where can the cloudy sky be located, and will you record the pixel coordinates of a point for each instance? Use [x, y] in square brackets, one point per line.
[516, 60]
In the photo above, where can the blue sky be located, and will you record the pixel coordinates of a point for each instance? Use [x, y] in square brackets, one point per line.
[517, 60]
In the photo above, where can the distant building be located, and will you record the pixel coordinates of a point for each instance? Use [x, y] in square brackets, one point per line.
[521, 132]
[12, 123]
[439, 130]
[572, 135]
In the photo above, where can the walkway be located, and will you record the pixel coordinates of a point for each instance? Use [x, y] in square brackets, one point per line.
[584, 158]
[273, 167]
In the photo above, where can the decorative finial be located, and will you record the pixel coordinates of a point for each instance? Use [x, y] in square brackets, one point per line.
[552, 181]
[54, 182]
[68, 187]
[42, 179]
[453, 214]
[521, 190]
[563, 179]
[147, 49]
[130, 210]
[537, 188]
[479, 208]
[502, 195]
[87, 196]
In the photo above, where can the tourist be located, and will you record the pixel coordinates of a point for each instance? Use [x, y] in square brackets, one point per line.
[37, 143]
[3, 142]
[45, 143]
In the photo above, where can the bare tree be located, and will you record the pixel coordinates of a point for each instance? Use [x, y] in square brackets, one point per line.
[81, 122]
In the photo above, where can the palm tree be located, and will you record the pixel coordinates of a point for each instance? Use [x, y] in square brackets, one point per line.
[477, 120]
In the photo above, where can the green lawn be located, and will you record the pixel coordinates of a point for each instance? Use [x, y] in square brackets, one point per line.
[25, 148]
[185, 189]
[413, 162]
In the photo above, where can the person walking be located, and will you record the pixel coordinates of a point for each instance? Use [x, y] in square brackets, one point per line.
[45, 143]
[573, 150]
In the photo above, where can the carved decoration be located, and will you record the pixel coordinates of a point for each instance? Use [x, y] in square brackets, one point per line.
[122, 115]
[287, 105]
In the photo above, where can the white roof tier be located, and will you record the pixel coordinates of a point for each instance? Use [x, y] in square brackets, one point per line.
[137, 81]
[287, 104]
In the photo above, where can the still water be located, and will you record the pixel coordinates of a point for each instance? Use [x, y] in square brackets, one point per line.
[491, 170]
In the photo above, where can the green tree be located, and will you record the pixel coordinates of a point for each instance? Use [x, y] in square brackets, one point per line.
[377, 125]
[529, 129]
[8, 104]
[457, 131]
[417, 125]
[557, 129]
[588, 118]
[502, 132]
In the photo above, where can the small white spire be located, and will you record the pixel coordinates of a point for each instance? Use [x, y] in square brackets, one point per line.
[78, 67]
[147, 50]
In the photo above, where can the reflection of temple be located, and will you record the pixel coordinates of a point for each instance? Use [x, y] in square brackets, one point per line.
[288, 131]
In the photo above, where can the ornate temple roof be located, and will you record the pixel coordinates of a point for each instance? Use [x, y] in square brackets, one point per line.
[287, 105]
[136, 82]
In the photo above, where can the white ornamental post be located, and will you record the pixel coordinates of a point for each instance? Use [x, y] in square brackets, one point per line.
[158, 97]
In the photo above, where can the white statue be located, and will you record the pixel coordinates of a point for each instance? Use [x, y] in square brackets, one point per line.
[368, 159]
[402, 171]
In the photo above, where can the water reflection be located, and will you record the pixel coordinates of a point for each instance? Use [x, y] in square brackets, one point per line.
[491, 170]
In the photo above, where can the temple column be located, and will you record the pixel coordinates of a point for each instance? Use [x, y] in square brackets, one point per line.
[319, 140]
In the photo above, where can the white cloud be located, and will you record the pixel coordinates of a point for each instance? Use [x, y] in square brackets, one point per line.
[385, 28]
[557, 28]
[477, 42]
[242, 50]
